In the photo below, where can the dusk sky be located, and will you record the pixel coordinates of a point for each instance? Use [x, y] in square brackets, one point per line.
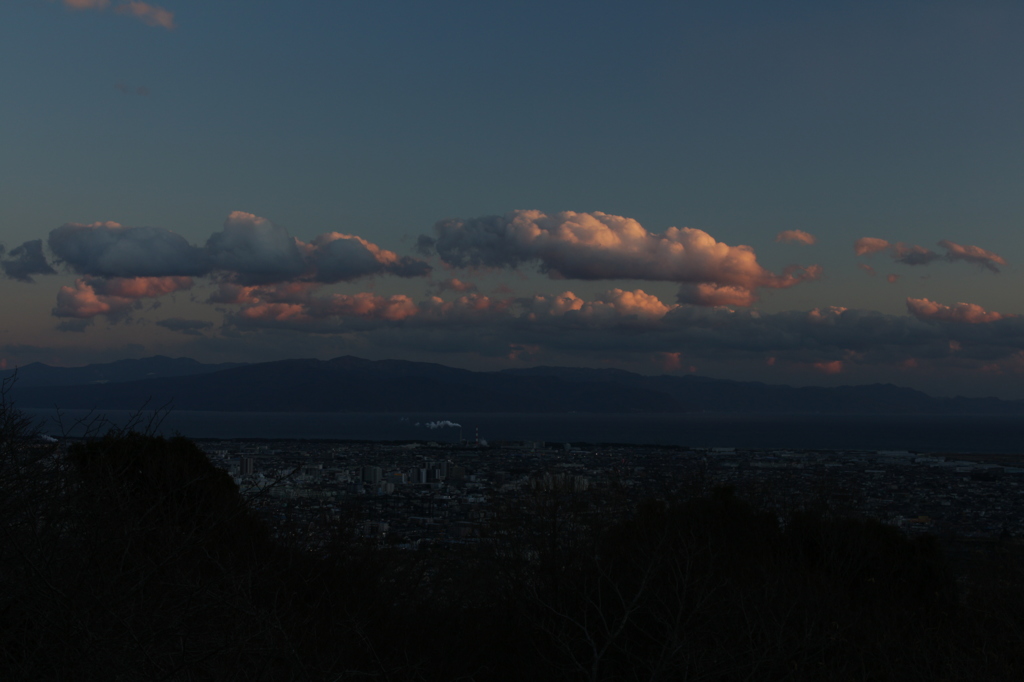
[794, 192]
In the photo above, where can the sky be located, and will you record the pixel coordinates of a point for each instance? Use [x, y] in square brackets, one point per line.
[793, 192]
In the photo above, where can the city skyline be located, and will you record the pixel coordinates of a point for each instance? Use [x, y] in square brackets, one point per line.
[794, 194]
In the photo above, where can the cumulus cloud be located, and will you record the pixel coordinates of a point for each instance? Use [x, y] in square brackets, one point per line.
[338, 306]
[26, 260]
[969, 313]
[140, 287]
[912, 254]
[972, 254]
[81, 301]
[624, 323]
[868, 245]
[340, 257]
[248, 251]
[255, 250]
[108, 249]
[334, 313]
[798, 236]
[115, 298]
[593, 246]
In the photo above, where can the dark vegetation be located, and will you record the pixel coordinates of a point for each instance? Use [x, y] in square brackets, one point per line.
[131, 557]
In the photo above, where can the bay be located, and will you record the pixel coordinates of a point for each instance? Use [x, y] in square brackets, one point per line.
[944, 434]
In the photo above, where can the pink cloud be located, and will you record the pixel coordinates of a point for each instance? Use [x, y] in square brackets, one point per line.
[833, 367]
[391, 308]
[267, 305]
[798, 236]
[868, 245]
[140, 287]
[670, 362]
[825, 315]
[969, 313]
[362, 305]
[866, 268]
[616, 303]
[972, 254]
[81, 301]
[151, 15]
[629, 303]
[892, 278]
[92, 296]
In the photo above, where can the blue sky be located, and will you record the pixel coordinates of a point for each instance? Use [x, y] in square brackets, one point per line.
[898, 121]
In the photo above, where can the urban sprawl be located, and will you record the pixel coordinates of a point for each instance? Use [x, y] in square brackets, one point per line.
[408, 495]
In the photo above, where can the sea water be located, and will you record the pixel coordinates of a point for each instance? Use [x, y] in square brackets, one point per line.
[949, 434]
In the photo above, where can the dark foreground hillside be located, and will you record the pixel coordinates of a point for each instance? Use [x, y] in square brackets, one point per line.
[133, 558]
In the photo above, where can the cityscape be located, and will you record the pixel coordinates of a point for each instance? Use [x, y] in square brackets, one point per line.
[406, 495]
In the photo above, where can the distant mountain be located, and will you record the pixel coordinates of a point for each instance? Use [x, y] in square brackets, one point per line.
[156, 367]
[349, 384]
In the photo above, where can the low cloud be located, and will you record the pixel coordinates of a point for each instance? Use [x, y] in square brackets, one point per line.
[190, 327]
[248, 251]
[338, 312]
[454, 284]
[623, 324]
[115, 298]
[595, 246]
[81, 301]
[26, 260]
[715, 295]
[969, 313]
[972, 254]
[830, 367]
[798, 236]
[108, 249]
[868, 245]
[912, 254]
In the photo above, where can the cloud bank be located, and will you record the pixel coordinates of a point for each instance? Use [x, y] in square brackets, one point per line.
[249, 250]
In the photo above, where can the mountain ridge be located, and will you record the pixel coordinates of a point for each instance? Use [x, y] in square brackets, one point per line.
[353, 384]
